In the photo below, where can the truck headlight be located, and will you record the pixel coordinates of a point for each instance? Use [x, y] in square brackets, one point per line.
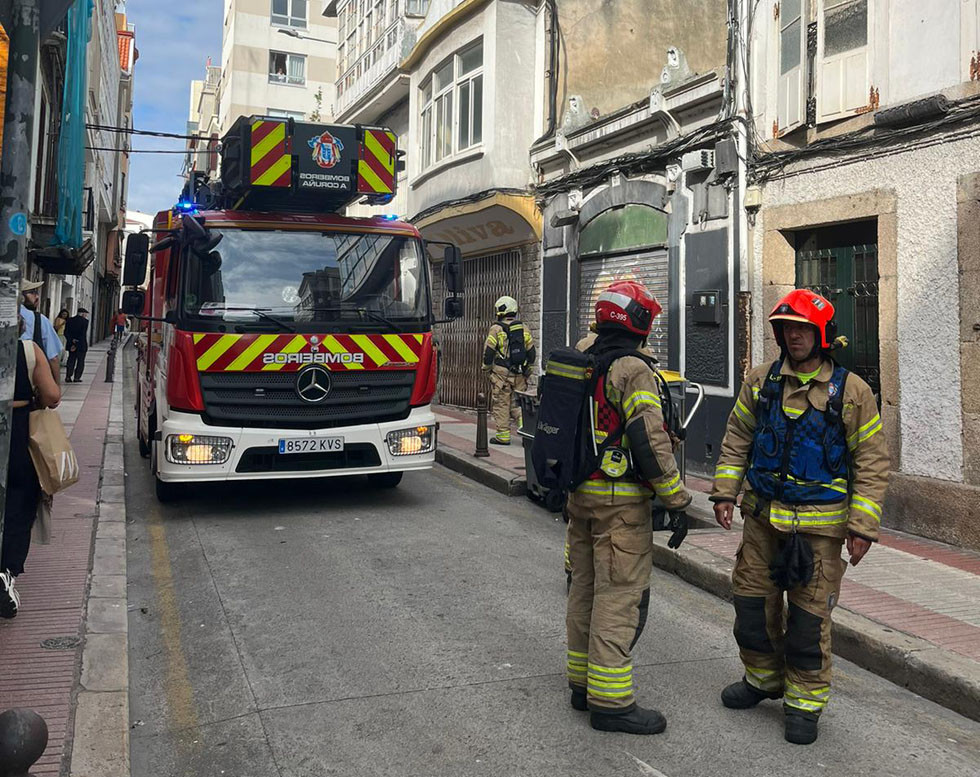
[197, 449]
[411, 442]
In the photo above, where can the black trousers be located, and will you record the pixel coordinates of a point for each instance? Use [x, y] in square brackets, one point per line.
[76, 364]
[18, 518]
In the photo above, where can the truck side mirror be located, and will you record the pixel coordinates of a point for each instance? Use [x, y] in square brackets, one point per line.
[133, 300]
[453, 307]
[137, 256]
[453, 269]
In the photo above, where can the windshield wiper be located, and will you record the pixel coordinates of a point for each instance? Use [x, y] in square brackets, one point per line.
[266, 316]
[373, 315]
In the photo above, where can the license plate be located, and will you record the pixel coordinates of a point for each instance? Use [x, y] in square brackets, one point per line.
[311, 445]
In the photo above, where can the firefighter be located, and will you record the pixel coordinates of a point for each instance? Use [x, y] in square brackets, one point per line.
[610, 533]
[508, 356]
[804, 441]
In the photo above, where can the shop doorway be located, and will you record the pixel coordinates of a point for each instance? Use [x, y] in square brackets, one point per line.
[461, 344]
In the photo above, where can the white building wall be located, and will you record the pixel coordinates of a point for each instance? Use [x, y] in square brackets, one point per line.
[248, 39]
[924, 181]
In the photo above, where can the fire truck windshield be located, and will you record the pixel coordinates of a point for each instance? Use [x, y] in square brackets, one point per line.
[262, 278]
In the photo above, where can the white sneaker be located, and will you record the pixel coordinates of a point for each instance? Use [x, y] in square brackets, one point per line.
[9, 598]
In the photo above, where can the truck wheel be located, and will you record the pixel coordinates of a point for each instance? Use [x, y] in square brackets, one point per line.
[167, 492]
[385, 479]
[144, 447]
[554, 500]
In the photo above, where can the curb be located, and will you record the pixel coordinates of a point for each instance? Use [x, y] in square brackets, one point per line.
[482, 471]
[913, 663]
[100, 745]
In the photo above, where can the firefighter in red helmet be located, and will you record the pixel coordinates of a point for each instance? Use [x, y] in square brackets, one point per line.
[609, 516]
[804, 447]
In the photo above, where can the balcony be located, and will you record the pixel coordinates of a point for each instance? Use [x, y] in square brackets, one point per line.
[365, 90]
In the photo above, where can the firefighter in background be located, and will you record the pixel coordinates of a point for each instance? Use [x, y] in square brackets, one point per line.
[805, 442]
[610, 532]
[508, 357]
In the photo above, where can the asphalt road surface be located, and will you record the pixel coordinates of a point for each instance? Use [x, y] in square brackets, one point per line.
[312, 628]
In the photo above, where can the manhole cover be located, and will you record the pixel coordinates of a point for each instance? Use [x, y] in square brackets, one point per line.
[61, 643]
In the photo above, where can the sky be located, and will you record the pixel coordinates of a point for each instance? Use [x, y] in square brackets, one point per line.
[175, 39]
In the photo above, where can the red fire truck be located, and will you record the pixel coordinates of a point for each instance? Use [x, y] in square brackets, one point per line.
[277, 338]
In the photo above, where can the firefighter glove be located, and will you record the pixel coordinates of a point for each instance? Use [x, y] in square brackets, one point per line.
[678, 525]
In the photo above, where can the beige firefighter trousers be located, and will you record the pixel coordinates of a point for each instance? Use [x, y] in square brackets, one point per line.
[794, 659]
[611, 556]
[503, 403]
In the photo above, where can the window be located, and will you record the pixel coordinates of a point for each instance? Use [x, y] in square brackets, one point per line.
[790, 101]
[287, 68]
[289, 13]
[416, 7]
[451, 118]
[278, 113]
[844, 54]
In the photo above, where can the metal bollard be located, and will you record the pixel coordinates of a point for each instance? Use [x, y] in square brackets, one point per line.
[482, 444]
[110, 363]
[23, 737]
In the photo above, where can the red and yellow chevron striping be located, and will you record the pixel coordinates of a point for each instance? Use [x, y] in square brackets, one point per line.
[291, 352]
[376, 165]
[271, 165]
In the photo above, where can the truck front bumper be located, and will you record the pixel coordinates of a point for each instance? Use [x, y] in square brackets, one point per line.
[254, 453]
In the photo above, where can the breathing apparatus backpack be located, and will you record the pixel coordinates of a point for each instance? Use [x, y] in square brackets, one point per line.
[564, 452]
[516, 360]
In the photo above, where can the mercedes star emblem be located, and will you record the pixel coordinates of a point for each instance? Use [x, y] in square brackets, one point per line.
[313, 384]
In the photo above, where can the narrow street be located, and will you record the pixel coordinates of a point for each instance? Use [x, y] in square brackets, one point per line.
[319, 628]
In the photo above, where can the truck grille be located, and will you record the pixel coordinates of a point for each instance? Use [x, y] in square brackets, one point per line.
[269, 400]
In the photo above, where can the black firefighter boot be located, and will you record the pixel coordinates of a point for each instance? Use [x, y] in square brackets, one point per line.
[801, 726]
[741, 695]
[629, 720]
[580, 700]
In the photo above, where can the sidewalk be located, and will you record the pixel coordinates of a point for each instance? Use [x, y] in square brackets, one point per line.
[909, 612]
[41, 649]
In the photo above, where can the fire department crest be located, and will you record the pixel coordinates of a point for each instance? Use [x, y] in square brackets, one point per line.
[326, 150]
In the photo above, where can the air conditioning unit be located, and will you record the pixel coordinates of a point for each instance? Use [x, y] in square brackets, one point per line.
[698, 160]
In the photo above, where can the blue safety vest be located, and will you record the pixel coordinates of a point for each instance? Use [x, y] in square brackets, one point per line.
[799, 460]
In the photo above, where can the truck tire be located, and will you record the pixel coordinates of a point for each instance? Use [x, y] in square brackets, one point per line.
[143, 445]
[165, 492]
[385, 479]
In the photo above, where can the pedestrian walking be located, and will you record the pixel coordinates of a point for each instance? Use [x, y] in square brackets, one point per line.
[804, 442]
[38, 328]
[119, 320]
[34, 387]
[76, 336]
[610, 532]
[508, 355]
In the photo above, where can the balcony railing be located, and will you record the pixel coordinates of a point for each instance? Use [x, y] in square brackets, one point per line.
[375, 64]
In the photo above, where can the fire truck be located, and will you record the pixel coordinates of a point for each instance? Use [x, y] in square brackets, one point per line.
[278, 339]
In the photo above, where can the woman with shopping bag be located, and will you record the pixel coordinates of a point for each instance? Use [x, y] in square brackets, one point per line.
[34, 387]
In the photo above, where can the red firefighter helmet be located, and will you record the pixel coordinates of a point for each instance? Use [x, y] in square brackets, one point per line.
[806, 307]
[628, 305]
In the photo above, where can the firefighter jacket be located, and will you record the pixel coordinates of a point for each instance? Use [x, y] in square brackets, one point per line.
[835, 478]
[634, 395]
[496, 353]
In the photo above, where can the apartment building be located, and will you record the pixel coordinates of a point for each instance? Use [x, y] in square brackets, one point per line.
[867, 188]
[278, 58]
[204, 123]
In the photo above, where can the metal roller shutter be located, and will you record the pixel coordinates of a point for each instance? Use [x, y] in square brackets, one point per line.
[649, 268]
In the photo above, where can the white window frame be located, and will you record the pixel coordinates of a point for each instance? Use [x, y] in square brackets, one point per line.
[416, 7]
[286, 80]
[290, 19]
[282, 113]
[843, 81]
[431, 152]
[790, 86]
